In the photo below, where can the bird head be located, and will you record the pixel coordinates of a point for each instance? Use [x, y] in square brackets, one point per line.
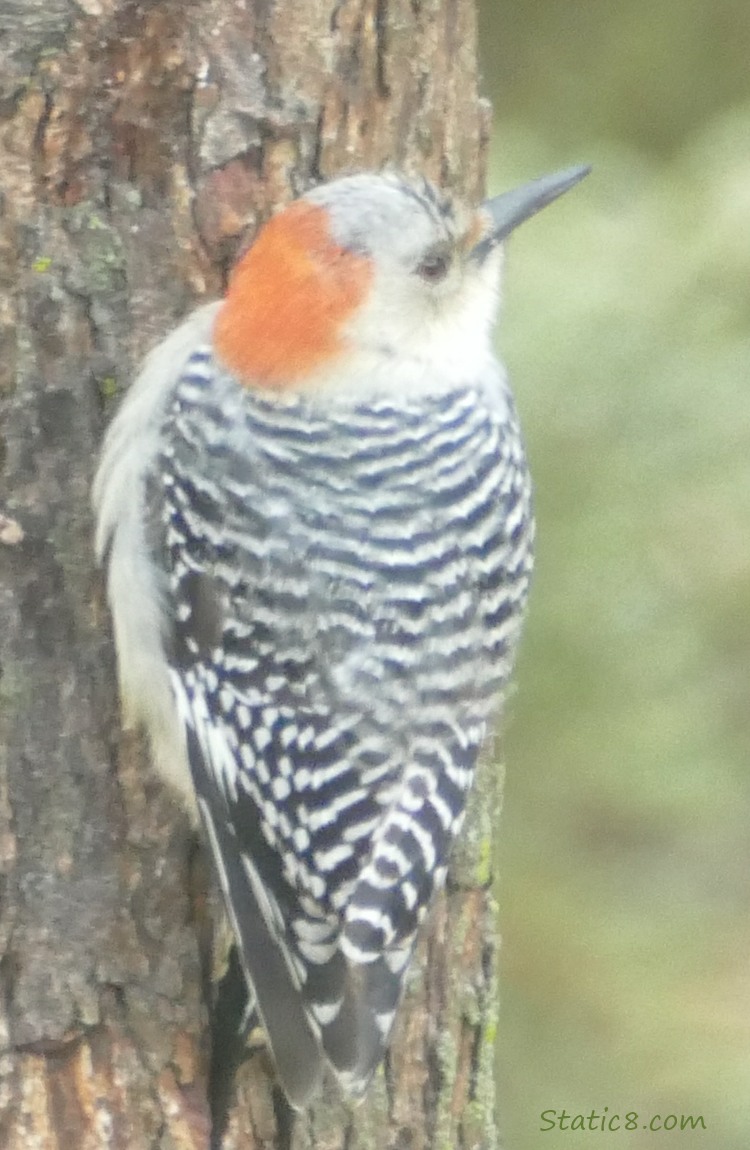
[371, 278]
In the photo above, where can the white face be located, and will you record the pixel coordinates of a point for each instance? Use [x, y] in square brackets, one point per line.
[432, 301]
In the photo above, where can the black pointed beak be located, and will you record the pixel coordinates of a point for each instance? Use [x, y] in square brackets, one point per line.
[510, 209]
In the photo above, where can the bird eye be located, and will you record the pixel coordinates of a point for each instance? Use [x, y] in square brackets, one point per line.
[434, 267]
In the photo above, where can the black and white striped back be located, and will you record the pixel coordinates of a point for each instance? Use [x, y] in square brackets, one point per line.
[348, 583]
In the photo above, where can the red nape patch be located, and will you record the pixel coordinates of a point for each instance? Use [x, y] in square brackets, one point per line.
[288, 299]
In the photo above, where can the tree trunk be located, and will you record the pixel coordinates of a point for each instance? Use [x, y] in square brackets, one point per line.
[140, 143]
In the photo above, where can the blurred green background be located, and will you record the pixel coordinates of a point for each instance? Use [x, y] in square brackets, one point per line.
[625, 848]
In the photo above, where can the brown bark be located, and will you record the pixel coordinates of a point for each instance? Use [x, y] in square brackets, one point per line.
[139, 144]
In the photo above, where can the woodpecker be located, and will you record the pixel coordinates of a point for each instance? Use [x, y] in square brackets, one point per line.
[315, 511]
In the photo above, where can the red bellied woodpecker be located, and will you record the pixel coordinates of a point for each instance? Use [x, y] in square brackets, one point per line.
[315, 511]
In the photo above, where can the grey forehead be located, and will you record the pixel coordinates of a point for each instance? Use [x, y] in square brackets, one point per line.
[386, 215]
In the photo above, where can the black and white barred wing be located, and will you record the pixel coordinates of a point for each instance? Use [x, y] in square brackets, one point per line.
[315, 1005]
[328, 842]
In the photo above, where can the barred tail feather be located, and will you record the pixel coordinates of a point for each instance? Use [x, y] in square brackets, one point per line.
[314, 1013]
[295, 1046]
[233, 1015]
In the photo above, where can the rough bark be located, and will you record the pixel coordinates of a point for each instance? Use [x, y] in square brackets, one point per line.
[140, 144]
